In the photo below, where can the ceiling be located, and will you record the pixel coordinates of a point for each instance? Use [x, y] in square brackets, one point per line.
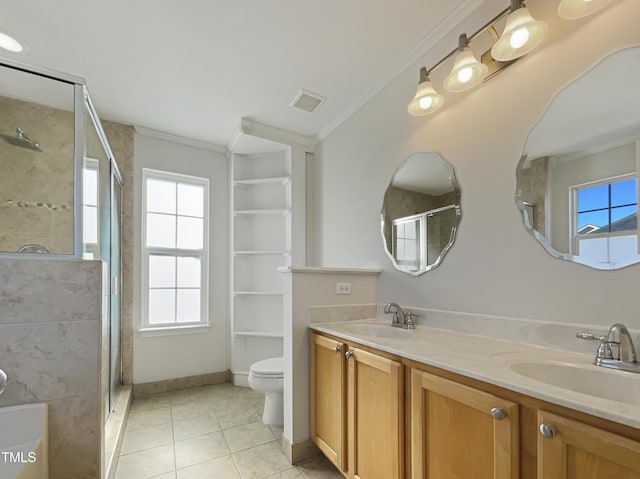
[195, 68]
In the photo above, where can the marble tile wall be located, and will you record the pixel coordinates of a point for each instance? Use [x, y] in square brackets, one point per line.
[50, 348]
[36, 187]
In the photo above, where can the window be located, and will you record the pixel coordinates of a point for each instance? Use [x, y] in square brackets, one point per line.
[606, 220]
[408, 248]
[175, 250]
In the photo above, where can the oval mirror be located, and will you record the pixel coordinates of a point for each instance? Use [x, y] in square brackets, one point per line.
[577, 187]
[420, 213]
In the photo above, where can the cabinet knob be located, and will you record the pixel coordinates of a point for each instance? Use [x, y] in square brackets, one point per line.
[348, 354]
[336, 349]
[548, 431]
[498, 413]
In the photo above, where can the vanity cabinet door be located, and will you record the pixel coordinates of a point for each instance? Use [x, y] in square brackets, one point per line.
[328, 398]
[458, 431]
[375, 414]
[570, 449]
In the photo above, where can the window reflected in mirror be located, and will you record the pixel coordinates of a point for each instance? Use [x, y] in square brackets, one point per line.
[577, 187]
[420, 213]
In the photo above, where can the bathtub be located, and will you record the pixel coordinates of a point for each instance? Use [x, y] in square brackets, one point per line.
[23, 442]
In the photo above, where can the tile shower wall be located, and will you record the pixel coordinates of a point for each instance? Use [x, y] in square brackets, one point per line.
[49, 348]
[36, 187]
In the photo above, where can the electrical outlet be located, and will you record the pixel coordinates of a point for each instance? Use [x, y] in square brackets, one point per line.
[343, 288]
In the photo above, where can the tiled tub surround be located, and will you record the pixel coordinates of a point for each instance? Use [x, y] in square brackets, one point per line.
[50, 349]
[483, 347]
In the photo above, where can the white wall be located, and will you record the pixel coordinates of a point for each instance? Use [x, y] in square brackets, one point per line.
[494, 267]
[174, 356]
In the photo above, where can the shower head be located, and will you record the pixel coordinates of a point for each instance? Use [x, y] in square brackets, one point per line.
[21, 140]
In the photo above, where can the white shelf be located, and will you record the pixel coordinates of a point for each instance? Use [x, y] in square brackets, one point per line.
[283, 180]
[258, 334]
[257, 293]
[274, 211]
[262, 253]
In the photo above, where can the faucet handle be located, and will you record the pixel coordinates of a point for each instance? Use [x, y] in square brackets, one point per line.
[604, 349]
[410, 317]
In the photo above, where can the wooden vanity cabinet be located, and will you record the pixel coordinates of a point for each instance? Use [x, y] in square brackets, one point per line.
[571, 449]
[458, 431]
[365, 439]
[329, 399]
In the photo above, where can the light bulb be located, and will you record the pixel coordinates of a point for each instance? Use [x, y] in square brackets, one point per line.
[465, 74]
[519, 38]
[9, 43]
[425, 102]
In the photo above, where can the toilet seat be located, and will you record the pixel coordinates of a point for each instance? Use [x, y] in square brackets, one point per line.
[268, 368]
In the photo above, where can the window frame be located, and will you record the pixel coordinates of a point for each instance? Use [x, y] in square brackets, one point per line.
[575, 238]
[203, 325]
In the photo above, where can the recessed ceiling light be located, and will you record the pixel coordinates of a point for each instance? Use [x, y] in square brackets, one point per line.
[9, 43]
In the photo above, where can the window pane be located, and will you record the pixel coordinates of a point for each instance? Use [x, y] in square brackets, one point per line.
[593, 198]
[161, 230]
[400, 249]
[189, 273]
[162, 271]
[90, 186]
[623, 248]
[624, 218]
[594, 249]
[410, 230]
[188, 306]
[161, 196]
[162, 306]
[624, 192]
[190, 233]
[90, 225]
[594, 222]
[190, 200]
[410, 250]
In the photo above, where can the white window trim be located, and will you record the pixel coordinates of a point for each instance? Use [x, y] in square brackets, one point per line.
[202, 326]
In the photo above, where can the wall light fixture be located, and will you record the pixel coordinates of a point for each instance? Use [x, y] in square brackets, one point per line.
[521, 34]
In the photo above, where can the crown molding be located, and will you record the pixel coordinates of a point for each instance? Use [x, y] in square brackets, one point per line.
[161, 135]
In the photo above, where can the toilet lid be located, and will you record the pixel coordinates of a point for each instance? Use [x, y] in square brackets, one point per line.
[271, 367]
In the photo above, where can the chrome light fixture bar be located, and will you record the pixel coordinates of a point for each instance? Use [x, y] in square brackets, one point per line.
[521, 35]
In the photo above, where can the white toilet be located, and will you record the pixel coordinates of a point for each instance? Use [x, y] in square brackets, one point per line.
[267, 377]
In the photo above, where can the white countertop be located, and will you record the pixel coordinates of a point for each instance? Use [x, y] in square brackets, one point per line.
[490, 360]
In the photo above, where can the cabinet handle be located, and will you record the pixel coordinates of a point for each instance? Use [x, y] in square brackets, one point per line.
[348, 354]
[336, 349]
[498, 413]
[548, 431]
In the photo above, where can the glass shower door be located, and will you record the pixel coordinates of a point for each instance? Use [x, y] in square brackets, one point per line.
[115, 353]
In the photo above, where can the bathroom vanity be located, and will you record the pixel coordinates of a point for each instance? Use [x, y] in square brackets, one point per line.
[434, 403]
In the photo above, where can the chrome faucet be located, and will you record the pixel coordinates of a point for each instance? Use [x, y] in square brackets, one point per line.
[400, 318]
[620, 340]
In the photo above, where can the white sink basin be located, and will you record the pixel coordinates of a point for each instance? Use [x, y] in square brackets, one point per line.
[593, 380]
[23, 442]
[378, 330]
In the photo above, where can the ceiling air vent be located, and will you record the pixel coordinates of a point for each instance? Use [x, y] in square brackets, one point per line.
[307, 101]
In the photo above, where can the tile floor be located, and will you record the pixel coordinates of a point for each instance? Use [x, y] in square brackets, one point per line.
[211, 432]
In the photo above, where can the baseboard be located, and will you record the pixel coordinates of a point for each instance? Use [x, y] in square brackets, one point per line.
[240, 379]
[300, 451]
[156, 387]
